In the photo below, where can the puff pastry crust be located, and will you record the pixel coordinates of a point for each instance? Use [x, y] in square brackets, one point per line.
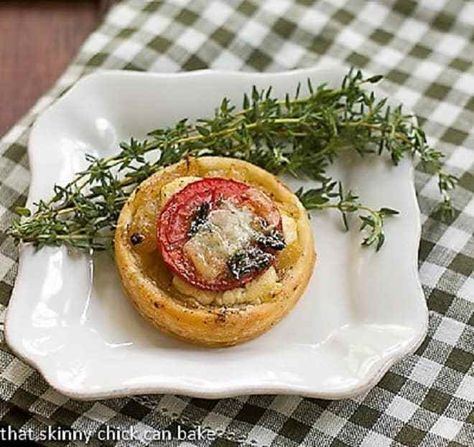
[210, 320]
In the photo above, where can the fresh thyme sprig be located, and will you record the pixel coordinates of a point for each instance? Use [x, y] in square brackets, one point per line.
[348, 202]
[296, 135]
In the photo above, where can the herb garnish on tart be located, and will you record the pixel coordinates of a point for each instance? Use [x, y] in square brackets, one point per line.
[299, 136]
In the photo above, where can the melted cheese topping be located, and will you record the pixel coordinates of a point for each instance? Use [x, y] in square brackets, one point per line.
[227, 230]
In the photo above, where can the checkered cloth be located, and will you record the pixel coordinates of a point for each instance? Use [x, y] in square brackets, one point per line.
[426, 51]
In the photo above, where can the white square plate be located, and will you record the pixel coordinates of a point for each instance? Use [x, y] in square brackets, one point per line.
[69, 317]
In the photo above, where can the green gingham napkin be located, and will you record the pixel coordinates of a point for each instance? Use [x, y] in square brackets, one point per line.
[426, 50]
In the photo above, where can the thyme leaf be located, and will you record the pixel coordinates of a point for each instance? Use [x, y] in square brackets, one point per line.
[199, 218]
[246, 262]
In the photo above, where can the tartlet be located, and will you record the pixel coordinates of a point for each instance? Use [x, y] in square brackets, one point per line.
[211, 306]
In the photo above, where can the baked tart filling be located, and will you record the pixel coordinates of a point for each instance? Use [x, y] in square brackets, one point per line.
[219, 234]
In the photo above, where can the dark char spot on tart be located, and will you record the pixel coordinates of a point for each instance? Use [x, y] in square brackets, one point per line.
[199, 218]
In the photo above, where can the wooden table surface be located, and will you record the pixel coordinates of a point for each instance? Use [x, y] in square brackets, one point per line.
[38, 38]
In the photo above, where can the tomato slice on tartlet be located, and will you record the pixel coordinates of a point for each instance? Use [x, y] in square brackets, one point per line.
[232, 226]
